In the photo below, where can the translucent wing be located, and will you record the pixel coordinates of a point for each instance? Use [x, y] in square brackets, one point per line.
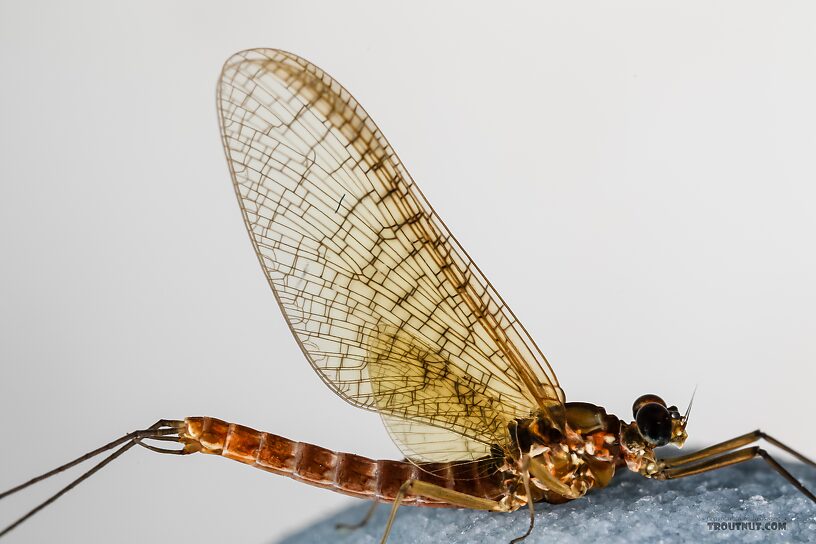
[385, 304]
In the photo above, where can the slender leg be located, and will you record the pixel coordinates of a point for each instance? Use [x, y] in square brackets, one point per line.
[732, 444]
[432, 491]
[526, 480]
[361, 523]
[740, 456]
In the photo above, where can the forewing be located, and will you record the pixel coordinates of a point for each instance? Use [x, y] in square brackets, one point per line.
[385, 304]
[443, 414]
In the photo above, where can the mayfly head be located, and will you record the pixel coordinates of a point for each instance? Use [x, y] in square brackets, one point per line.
[659, 424]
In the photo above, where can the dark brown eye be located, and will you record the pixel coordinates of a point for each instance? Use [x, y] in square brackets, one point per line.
[644, 400]
[654, 423]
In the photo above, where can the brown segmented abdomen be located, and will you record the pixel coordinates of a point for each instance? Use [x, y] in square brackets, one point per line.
[342, 472]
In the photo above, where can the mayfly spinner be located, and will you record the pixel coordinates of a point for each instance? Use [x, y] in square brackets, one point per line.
[395, 317]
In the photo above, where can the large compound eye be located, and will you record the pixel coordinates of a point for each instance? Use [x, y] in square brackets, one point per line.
[654, 423]
[643, 400]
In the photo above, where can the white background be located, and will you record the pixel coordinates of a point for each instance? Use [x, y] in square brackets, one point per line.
[637, 182]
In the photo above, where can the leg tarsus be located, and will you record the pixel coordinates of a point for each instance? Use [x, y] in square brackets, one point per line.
[771, 440]
[785, 474]
[714, 462]
[530, 505]
[361, 523]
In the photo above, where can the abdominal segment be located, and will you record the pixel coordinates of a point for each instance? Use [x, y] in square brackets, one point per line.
[345, 473]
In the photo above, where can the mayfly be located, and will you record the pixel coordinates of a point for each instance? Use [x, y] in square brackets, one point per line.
[394, 317]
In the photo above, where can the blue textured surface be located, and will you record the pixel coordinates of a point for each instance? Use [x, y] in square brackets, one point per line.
[631, 510]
